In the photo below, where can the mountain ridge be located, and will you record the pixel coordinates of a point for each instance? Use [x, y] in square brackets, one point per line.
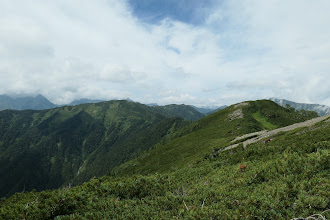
[213, 131]
[48, 148]
[39, 102]
[71, 144]
[284, 178]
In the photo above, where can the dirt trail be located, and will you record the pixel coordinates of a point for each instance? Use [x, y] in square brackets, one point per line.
[257, 136]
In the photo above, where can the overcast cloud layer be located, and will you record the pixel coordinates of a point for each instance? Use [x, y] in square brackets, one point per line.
[220, 53]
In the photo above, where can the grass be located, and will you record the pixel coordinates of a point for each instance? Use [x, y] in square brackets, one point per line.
[262, 120]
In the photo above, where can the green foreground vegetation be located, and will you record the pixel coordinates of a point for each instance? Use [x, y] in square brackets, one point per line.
[182, 177]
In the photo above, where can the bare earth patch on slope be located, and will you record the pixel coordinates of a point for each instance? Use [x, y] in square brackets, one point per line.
[241, 104]
[237, 113]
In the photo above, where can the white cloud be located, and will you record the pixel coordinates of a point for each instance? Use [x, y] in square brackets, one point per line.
[279, 41]
[97, 49]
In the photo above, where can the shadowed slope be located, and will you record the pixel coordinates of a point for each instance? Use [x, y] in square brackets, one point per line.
[49, 148]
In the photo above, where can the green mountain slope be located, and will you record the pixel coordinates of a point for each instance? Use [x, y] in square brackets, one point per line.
[183, 111]
[285, 178]
[49, 148]
[212, 132]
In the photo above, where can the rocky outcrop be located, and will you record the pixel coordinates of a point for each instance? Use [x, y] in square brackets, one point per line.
[257, 136]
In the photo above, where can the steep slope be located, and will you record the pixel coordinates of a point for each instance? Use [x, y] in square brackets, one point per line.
[38, 102]
[183, 111]
[49, 148]
[212, 132]
[286, 178]
[320, 109]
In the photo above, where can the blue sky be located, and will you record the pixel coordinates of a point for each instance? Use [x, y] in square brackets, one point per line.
[193, 12]
[211, 52]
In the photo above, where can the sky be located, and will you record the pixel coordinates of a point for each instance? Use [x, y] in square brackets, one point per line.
[204, 53]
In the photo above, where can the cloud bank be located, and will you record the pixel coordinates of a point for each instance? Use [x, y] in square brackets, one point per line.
[70, 49]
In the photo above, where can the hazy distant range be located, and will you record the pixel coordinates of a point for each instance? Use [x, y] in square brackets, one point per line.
[39, 102]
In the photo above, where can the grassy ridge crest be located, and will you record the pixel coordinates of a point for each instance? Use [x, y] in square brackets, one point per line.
[215, 131]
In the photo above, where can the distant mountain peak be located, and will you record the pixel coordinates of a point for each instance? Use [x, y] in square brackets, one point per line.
[320, 109]
[40, 96]
[22, 102]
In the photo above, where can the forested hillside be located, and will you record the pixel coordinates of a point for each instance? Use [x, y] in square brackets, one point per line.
[187, 176]
[68, 145]
[184, 111]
